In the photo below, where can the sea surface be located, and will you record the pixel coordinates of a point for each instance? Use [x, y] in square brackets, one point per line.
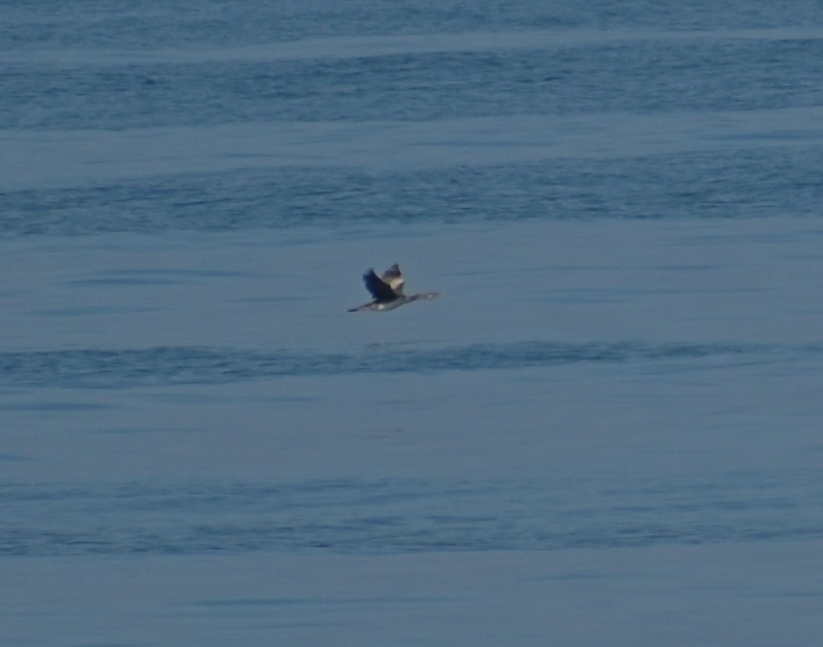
[608, 430]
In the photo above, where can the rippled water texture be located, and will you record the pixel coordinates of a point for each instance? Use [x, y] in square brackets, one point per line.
[607, 430]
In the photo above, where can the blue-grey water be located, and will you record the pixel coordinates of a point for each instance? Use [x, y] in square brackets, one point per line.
[607, 429]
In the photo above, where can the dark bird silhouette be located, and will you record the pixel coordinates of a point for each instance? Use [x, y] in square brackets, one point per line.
[388, 291]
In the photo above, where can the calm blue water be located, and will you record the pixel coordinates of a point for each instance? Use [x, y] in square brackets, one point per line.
[620, 201]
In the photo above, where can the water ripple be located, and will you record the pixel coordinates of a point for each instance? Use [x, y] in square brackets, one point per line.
[756, 182]
[396, 515]
[96, 368]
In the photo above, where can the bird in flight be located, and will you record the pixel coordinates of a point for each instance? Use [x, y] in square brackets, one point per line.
[387, 291]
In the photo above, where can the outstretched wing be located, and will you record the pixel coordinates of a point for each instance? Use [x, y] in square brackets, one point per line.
[394, 277]
[378, 288]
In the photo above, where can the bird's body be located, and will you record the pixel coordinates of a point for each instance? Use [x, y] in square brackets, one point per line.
[388, 291]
